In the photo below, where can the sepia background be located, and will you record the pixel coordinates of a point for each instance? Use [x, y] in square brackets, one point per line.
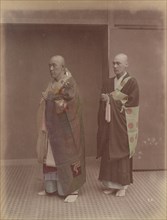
[87, 38]
[88, 34]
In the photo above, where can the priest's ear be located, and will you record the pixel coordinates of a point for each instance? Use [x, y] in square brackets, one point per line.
[126, 64]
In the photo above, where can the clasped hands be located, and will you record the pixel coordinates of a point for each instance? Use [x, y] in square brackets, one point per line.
[105, 97]
[52, 96]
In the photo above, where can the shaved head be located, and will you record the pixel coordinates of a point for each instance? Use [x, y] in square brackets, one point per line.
[122, 57]
[120, 64]
[59, 59]
[57, 66]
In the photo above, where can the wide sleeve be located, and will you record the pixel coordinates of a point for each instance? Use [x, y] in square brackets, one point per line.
[69, 90]
[132, 90]
[102, 124]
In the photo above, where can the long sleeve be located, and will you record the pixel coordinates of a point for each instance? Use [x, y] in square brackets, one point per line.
[132, 90]
[68, 91]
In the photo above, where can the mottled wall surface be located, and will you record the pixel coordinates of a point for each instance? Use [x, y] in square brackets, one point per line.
[28, 49]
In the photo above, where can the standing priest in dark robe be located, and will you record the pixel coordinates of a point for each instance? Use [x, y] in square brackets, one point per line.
[60, 144]
[118, 128]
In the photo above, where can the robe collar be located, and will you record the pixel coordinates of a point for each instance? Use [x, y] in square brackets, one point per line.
[118, 81]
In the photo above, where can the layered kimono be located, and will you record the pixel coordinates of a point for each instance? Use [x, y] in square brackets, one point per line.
[118, 130]
[60, 145]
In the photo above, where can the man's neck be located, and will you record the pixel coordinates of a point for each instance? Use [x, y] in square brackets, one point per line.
[120, 75]
[60, 76]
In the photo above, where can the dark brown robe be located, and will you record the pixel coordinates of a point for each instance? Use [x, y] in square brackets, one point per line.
[112, 138]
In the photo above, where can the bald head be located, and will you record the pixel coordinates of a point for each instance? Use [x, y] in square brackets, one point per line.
[123, 58]
[57, 66]
[59, 59]
[120, 64]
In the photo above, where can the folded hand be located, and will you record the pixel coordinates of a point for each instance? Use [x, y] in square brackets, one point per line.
[104, 97]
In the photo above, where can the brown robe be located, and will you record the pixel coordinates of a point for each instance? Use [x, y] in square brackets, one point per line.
[112, 137]
[64, 128]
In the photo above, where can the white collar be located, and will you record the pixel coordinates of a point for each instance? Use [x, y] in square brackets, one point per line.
[118, 81]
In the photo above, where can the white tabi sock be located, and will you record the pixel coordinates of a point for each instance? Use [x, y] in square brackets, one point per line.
[108, 191]
[121, 192]
[72, 197]
[42, 193]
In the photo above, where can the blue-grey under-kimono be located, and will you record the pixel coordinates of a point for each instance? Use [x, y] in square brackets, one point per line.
[61, 137]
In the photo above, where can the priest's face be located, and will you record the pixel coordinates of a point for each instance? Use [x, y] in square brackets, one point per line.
[120, 64]
[56, 67]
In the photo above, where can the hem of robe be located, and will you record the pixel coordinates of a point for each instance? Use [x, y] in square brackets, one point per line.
[113, 185]
[52, 182]
[117, 171]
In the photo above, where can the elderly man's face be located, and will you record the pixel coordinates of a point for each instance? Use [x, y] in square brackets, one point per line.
[119, 65]
[56, 67]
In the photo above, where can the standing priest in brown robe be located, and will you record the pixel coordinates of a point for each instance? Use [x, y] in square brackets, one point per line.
[118, 128]
[60, 145]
